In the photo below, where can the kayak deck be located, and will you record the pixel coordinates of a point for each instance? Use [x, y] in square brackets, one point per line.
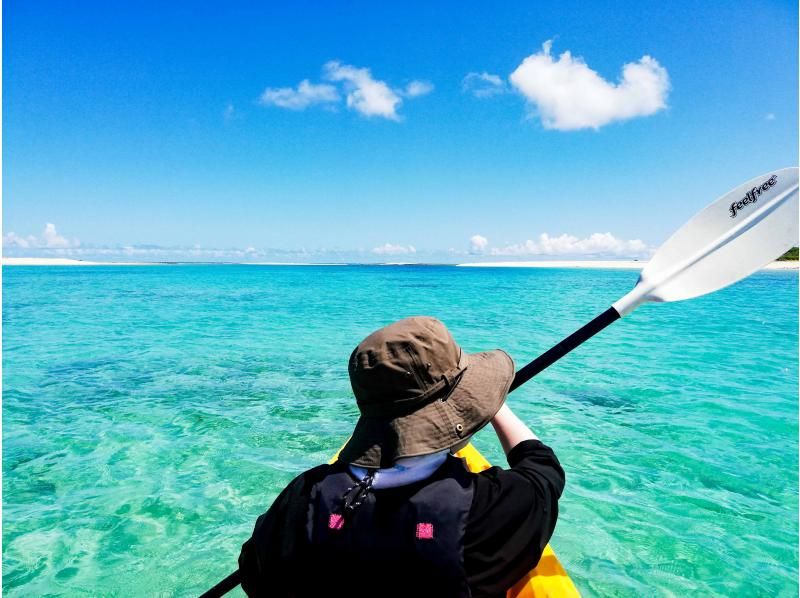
[548, 579]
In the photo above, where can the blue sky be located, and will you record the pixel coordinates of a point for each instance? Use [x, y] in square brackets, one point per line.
[425, 132]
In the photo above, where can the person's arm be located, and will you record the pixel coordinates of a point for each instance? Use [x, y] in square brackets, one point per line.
[514, 511]
[525, 454]
[271, 559]
[262, 559]
[510, 429]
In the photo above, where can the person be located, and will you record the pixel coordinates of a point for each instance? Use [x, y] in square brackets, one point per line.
[397, 514]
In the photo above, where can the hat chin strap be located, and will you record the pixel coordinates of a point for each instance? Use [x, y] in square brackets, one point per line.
[405, 470]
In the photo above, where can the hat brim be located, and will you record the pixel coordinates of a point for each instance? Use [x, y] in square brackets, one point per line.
[444, 423]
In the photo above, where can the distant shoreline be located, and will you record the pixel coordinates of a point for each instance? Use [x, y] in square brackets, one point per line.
[602, 265]
[573, 264]
[591, 264]
[59, 261]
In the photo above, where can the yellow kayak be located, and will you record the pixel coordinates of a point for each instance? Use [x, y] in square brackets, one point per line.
[548, 579]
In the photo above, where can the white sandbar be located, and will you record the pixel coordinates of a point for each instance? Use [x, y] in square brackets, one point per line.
[598, 264]
[62, 261]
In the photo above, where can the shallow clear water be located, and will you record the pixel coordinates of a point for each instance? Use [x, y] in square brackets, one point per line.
[151, 413]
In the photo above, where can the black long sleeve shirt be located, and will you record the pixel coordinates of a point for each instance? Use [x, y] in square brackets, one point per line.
[511, 519]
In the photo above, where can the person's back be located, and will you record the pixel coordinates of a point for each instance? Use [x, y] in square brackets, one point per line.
[398, 514]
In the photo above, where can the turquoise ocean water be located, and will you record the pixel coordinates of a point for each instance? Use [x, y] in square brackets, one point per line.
[151, 413]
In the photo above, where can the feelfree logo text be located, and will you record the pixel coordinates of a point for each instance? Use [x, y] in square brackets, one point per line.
[752, 195]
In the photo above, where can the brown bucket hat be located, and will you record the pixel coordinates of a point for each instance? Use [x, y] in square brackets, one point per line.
[419, 393]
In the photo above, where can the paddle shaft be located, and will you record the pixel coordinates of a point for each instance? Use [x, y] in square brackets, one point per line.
[578, 337]
[225, 586]
[542, 362]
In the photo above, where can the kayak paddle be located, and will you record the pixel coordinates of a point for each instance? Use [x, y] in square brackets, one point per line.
[739, 233]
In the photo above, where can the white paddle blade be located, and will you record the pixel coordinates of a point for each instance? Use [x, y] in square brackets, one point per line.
[739, 233]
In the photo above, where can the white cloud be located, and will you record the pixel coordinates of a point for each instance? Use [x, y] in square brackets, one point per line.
[12, 239]
[478, 243]
[595, 244]
[366, 95]
[389, 249]
[363, 93]
[769, 116]
[568, 95]
[417, 89]
[307, 94]
[483, 85]
[50, 239]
